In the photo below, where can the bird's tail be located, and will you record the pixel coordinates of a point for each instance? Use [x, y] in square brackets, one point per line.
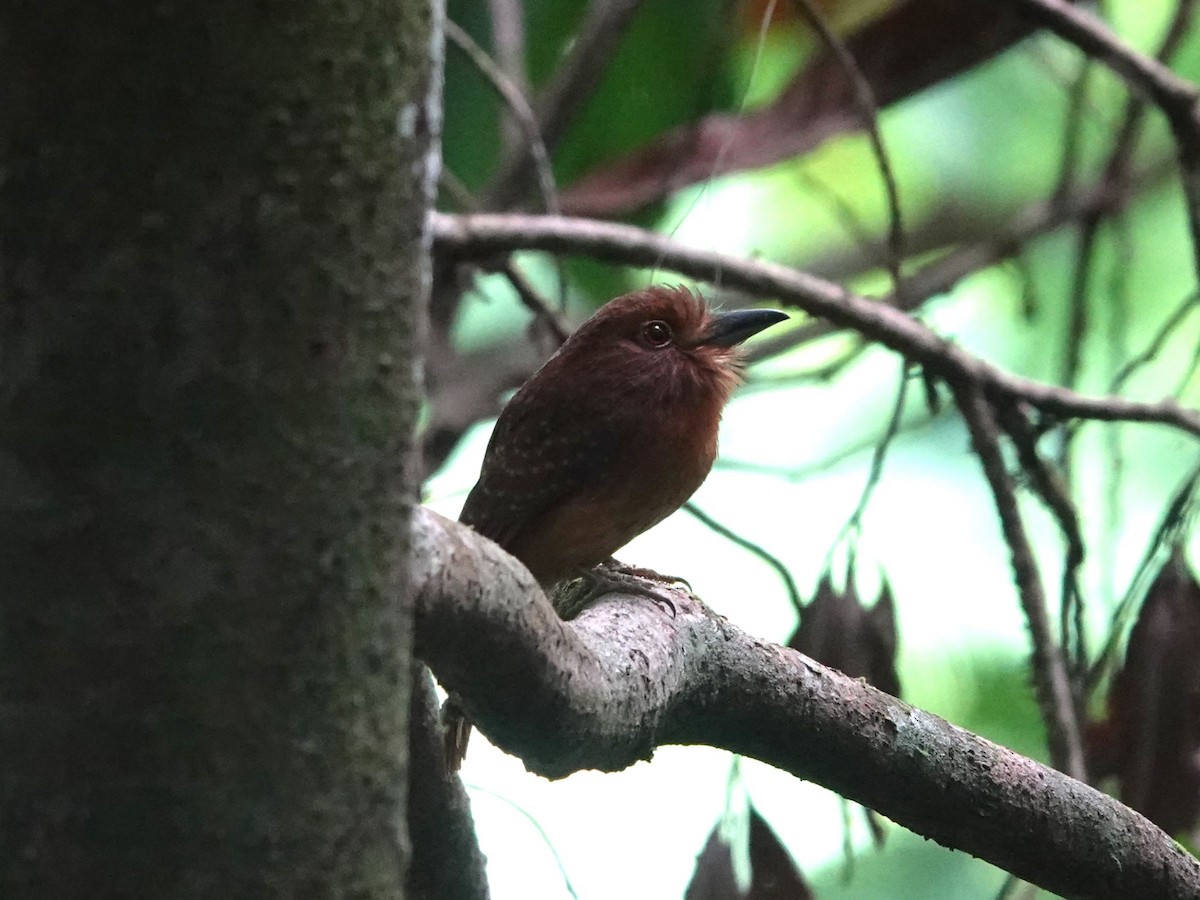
[456, 731]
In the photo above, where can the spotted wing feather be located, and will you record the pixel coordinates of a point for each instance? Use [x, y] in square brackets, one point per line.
[533, 464]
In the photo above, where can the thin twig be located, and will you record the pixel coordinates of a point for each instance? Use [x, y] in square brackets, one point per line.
[785, 575]
[568, 90]
[1155, 347]
[519, 106]
[868, 111]
[1077, 324]
[1190, 371]
[533, 301]
[1077, 105]
[508, 46]
[457, 190]
[1175, 96]
[525, 291]
[1054, 67]
[853, 525]
[1116, 172]
[1176, 522]
[841, 211]
[802, 473]
[1121, 156]
[1112, 520]
[760, 44]
[1030, 296]
[1051, 488]
[1115, 175]
[1010, 884]
[1049, 668]
[529, 817]
[484, 234]
[943, 274]
[848, 857]
[1071, 599]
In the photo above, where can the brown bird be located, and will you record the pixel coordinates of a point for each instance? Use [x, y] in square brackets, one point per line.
[608, 438]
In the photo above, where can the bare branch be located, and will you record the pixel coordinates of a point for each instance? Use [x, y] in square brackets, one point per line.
[484, 234]
[1156, 344]
[517, 104]
[447, 862]
[1051, 488]
[568, 885]
[1125, 143]
[1177, 97]
[1050, 676]
[525, 291]
[532, 301]
[784, 573]
[1115, 174]
[944, 273]
[853, 525]
[569, 88]
[508, 46]
[605, 689]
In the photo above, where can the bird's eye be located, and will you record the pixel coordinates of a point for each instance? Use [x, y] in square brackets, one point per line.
[656, 333]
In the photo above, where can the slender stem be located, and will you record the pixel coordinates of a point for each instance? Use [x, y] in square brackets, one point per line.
[567, 91]
[508, 47]
[1049, 666]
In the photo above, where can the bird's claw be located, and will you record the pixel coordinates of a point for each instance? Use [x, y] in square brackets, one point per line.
[661, 601]
[613, 565]
[614, 577]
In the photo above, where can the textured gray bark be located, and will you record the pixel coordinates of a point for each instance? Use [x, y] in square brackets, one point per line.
[446, 860]
[603, 690]
[211, 257]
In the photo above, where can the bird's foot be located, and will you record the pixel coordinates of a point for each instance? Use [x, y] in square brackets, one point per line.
[615, 577]
[615, 565]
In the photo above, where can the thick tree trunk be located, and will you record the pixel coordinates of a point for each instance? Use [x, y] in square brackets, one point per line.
[211, 259]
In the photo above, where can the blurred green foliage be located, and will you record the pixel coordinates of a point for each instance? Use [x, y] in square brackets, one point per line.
[969, 154]
[668, 69]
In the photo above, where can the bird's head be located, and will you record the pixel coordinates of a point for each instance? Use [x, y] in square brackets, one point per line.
[665, 342]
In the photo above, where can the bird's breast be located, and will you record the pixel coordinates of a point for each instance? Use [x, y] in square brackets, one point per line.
[651, 477]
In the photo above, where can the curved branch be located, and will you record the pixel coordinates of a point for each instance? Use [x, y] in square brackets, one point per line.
[604, 690]
[485, 234]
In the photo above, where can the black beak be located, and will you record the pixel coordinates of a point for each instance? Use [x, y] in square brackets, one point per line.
[729, 328]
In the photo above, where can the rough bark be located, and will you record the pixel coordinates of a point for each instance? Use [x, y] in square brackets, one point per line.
[211, 257]
[447, 863]
[605, 689]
